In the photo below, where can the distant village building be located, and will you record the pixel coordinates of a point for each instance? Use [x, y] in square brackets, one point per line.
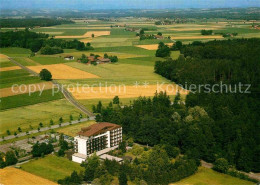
[137, 30]
[159, 37]
[100, 138]
[69, 57]
[101, 60]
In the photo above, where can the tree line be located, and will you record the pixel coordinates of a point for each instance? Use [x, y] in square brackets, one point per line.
[234, 116]
[39, 41]
[153, 166]
[32, 22]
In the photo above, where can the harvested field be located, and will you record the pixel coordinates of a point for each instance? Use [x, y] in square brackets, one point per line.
[9, 68]
[62, 71]
[3, 56]
[124, 91]
[86, 35]
[150, 46]
[13, 176]
[96, 33]
[25, 89]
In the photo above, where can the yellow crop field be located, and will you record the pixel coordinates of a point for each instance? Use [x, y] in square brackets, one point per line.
[86, 40]
[124, 91]
[86, 35]
[3, 56]
[96, 33]
[9, 68]
[11, 91]
[62, 71]
[150, 46]
[13, 176]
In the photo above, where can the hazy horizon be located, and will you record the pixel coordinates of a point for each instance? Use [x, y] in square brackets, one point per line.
[126, 4]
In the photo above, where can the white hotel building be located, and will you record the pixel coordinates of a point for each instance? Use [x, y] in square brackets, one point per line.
[100, 138]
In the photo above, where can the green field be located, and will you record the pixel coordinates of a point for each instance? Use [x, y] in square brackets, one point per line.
[117, 74]
[52, 167]
[105, 102]
[29, 99]
[206, 176]
[46, 60]
[20, 76]
[15, 52]
[34, 114]
[135, 64]
[5, 63]
[72, 130]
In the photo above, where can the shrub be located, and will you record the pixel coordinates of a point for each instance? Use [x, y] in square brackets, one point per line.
[221, 165]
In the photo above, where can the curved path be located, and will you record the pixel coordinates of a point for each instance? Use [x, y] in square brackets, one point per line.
[66, 93]
[46, 128]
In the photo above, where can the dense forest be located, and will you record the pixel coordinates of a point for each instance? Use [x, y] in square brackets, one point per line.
[235, 115]
[32, 22]
[208, 126]
[36, 41]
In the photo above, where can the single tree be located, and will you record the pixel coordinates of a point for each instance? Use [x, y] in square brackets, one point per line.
[19, 129]
[51, 122]
[105, 55]
[8, 132]
[116, 100]
[10, 158]
[45, 75]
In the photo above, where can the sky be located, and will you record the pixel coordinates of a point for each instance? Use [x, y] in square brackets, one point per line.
[124, 4]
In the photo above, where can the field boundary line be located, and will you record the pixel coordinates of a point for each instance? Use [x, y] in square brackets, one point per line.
[66, 93]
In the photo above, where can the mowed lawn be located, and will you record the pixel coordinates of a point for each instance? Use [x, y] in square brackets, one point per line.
[206, 176]
[72, 130]
[51, 167]
[34, 114]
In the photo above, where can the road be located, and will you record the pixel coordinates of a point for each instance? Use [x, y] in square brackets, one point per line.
[66, 93]
[47, 128]
[251, 174]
